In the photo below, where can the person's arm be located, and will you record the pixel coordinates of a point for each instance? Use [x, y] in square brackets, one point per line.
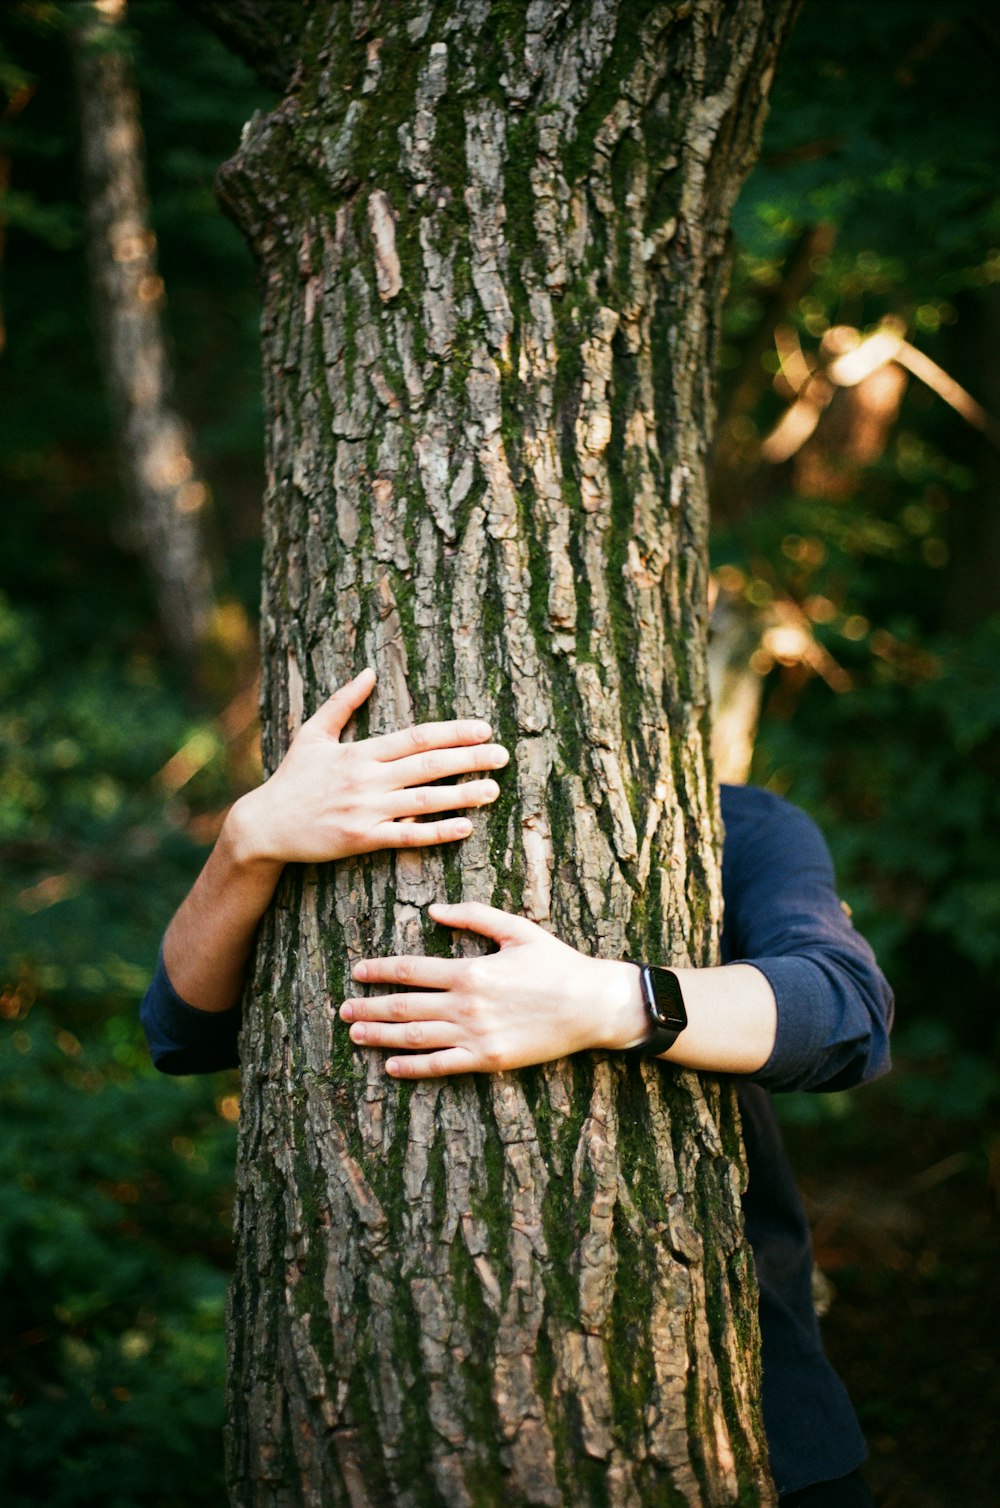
[208, 942]
[327, 800]
[784, 915]
[538, 999]
[807, 1006]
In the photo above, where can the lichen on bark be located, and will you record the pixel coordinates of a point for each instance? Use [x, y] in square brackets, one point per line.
[492, 245]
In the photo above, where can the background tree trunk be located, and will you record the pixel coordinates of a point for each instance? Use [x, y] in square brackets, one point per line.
[491, 239]
[156, 461]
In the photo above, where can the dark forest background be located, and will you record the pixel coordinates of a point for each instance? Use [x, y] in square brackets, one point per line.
[856, 549]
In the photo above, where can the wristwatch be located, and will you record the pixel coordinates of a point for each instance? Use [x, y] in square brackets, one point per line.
[665, 1013]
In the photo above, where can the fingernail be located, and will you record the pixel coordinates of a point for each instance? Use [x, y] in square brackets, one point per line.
[357, 1032]
[463, 828]
[392, 1066]
[347, 1011]
[490, 790]
[360, 971]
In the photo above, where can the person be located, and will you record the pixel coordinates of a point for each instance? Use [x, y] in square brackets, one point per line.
[798, 1003]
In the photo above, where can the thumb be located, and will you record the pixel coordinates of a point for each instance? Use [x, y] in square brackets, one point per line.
[500, 926]
[335, 713]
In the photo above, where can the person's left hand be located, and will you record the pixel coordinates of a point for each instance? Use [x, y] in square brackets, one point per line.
[534, 1000]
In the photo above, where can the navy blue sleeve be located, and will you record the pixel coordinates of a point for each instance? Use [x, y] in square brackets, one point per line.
[185, 1040]
[783, 915]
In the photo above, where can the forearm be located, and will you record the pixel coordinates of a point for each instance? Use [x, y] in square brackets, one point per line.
[731, 1010]
[804, 1007]
[537, 999]
[207, 944]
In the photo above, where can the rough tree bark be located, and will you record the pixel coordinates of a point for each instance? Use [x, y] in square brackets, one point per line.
[156, 461]
[492, 246]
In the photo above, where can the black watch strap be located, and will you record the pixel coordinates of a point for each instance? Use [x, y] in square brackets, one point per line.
[665, 1013]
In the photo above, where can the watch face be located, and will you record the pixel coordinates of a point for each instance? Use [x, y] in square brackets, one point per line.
[663, 997]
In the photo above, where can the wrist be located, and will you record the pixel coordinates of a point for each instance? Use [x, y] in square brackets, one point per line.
[242, 841]
[623, 1020]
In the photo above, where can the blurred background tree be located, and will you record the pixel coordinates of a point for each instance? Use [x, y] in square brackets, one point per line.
[158, 470]
[857, 548]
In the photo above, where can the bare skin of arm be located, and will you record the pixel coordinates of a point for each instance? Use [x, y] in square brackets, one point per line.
[327, 800]
[537, 999]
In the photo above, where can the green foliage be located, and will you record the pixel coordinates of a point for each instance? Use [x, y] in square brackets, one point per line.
[115, 1183]
[882, 125]
[881, 131]
[92, 851]
[113, 1244]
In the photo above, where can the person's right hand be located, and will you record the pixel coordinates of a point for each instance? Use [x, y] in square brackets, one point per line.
[327, 800]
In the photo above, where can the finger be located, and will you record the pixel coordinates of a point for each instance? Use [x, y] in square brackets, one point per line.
[418, 834]
[405, 1035]
[441, 764]
[424, 736]
[488, 921]
[335, 713]
[409, 969]
[417, 800]
[430, 1006]
[431, 1065]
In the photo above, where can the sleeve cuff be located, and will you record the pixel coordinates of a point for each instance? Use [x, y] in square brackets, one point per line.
[831, 1034]
[183, 1039]
[802, 1035]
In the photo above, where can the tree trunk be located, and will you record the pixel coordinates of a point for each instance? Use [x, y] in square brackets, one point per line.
[157, 466]
[736, 685]
[492, 243]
